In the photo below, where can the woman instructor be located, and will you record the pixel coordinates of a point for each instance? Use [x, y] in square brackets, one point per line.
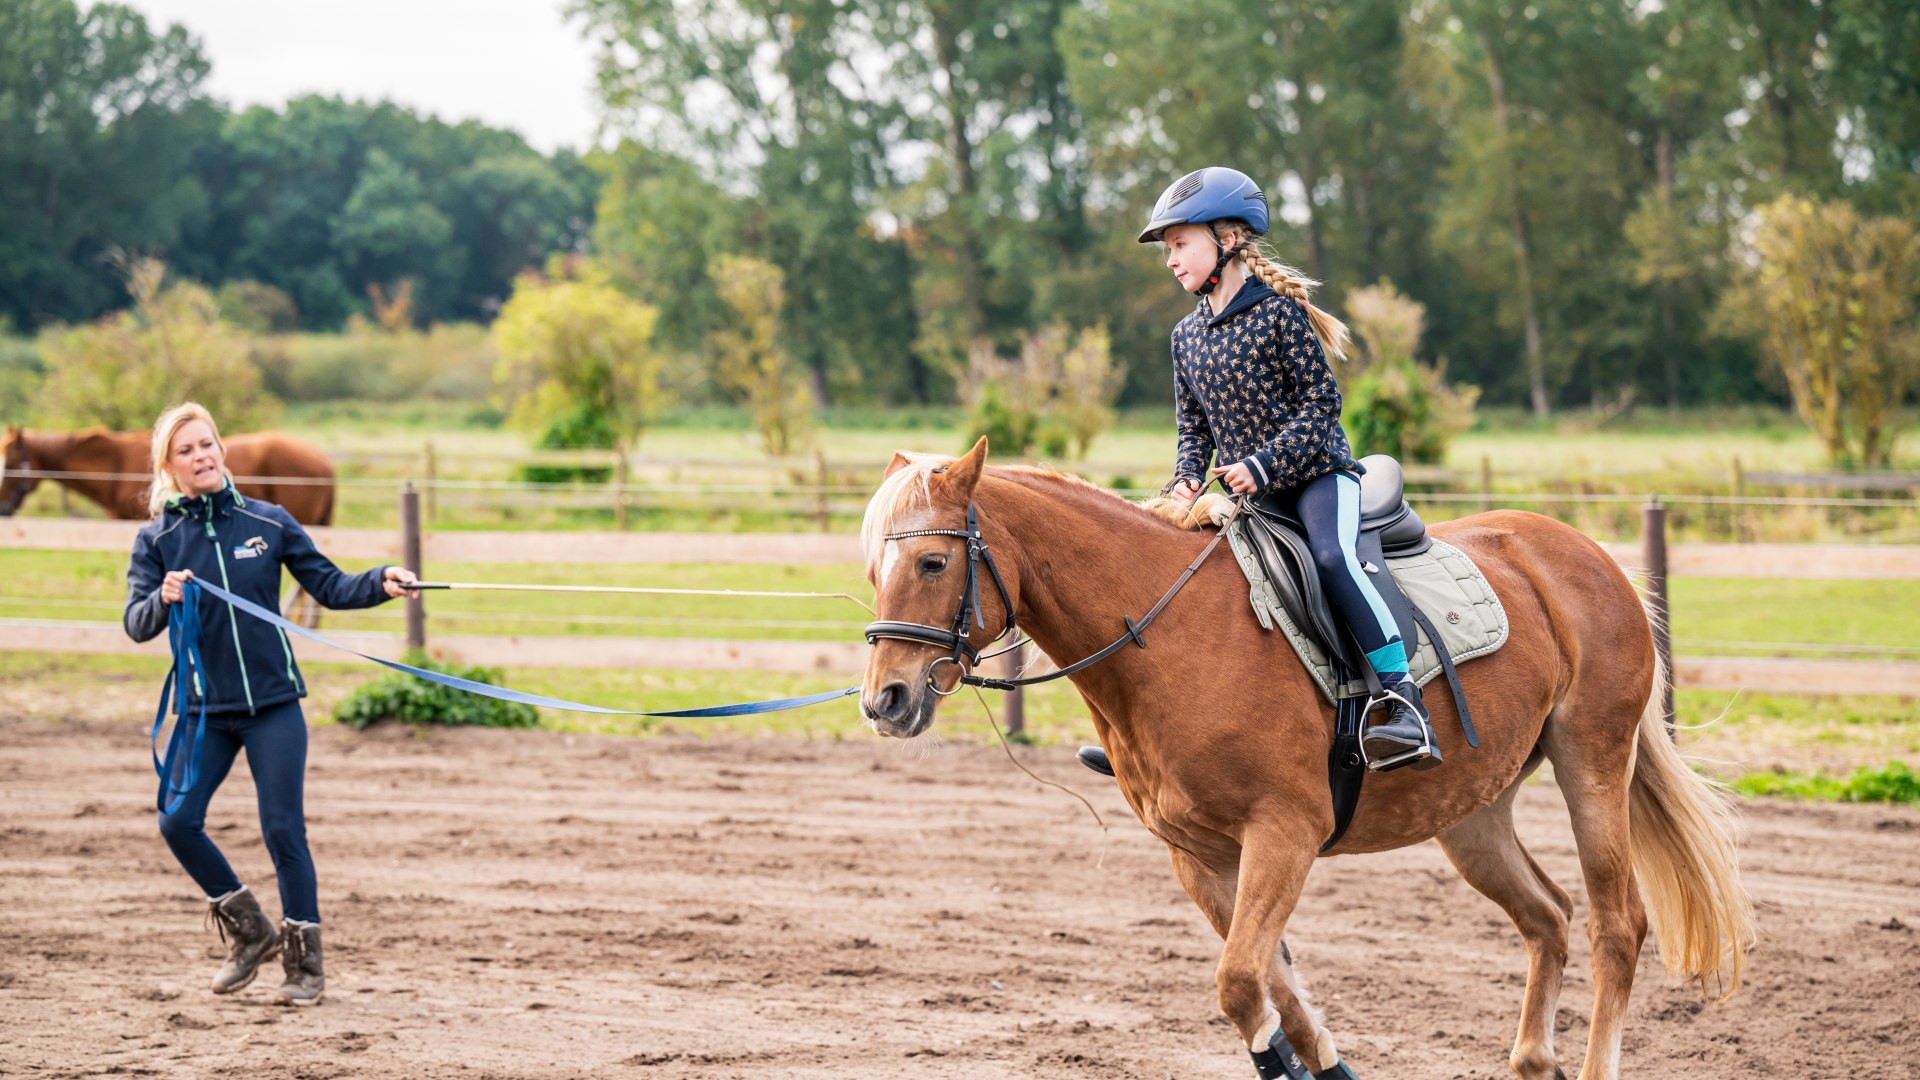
[248, 683]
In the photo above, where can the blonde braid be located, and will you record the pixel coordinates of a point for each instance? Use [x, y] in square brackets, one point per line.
[1292, 284]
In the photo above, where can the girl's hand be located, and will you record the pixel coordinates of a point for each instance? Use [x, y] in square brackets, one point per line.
[1182, 490]
[170, 586]
[1237, 477]
[397, 580]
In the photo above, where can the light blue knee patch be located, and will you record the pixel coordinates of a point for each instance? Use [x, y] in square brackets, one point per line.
[1389, 657]
[1347, 490]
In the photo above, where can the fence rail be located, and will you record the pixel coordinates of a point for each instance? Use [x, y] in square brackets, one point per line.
[1760, 561]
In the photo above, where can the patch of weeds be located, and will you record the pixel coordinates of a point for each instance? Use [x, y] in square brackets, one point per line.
[1893, 782]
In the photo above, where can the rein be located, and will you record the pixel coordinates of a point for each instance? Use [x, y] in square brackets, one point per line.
[956, 637]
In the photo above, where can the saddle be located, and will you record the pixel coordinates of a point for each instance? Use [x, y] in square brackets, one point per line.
[1389, 528]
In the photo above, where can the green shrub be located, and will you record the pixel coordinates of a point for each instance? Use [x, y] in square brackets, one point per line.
[1893, 782]
[585, 428]
[412, 700]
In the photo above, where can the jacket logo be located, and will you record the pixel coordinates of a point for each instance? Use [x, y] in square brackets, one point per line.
[253, 548]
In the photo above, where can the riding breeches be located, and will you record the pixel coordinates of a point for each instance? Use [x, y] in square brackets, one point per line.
[276, 746]
[1329, 507]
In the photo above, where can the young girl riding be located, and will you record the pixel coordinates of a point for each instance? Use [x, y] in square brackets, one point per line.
[1252, 385]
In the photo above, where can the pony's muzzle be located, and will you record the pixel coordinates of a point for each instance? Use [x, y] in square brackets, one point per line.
[895, 710]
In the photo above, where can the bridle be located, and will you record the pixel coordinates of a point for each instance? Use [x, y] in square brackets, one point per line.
[955, 637]
[23, 471]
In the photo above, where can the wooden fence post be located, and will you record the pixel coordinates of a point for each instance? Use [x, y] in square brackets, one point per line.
[432, 485]
[1486, 482]
[1653, 524]
[1016, 698]
[620, 490]
[1739, 507]
[824, 510]
[410, 554]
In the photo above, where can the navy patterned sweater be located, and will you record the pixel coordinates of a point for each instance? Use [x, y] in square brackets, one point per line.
[1253, 383]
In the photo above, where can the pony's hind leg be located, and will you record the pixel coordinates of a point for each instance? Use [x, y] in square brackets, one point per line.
[1487, 853]
[1591, 744]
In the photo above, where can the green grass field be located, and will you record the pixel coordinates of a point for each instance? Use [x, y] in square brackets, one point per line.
[1648, 451]
[1711, 616]
[1680, 456]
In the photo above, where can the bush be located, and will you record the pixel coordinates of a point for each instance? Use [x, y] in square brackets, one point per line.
[1891, 783]
[130, 366]
[1056, 396]
[413, 700]
[1394, 404]
[585, 428]
[1406, 410]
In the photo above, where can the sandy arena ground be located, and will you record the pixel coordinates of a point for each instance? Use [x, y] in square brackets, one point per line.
[531, 904]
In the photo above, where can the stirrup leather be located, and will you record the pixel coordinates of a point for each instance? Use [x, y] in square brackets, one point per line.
[1407, 757]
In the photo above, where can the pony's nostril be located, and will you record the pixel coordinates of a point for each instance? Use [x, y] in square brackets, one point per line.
[892, 700]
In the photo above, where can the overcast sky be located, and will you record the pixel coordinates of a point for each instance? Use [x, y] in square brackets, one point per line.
[509, 63]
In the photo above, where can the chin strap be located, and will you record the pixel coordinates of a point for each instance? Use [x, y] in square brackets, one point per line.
[1226, 256]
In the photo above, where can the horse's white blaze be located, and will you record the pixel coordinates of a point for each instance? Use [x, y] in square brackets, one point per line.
[886, 563]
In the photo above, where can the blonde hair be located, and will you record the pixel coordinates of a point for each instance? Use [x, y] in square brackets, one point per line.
[164, 429]
[1287, 282]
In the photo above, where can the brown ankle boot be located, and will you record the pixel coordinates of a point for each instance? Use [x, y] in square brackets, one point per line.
[300, 958]
[249, 933]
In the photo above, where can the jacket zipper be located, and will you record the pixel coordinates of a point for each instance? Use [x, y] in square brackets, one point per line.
[233, 624]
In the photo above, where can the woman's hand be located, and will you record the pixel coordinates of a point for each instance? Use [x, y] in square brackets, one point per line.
[398, 578]
[1237, 477]
[171, 585]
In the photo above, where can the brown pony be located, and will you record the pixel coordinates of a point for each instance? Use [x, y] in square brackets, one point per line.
[114, 469]
[1220, 739]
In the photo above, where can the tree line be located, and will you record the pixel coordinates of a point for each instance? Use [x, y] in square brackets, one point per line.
[1570, 188]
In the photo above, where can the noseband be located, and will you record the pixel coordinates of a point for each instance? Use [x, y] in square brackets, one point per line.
[23, 473]
[954, 638]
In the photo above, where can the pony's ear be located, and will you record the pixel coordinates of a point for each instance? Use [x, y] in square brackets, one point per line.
[900, 461]
[960, 478]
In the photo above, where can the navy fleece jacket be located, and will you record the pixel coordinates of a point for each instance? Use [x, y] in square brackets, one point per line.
[1253, 383]
[239, 544]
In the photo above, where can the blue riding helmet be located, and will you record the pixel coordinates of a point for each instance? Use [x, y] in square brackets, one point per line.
[1211, 194]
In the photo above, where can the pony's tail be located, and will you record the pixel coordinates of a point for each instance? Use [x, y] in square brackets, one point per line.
[1684, 834]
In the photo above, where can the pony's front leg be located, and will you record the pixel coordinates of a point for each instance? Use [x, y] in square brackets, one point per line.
[1256, 989]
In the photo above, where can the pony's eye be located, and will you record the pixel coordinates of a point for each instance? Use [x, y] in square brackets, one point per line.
[932, 564]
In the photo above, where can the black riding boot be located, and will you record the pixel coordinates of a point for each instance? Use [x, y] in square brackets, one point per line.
[249, 935]
[1405, 737]
[1096, 759]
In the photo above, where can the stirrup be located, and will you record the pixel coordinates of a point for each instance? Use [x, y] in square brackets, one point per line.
[1420, 757]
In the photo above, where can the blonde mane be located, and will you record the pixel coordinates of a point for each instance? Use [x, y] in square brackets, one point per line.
[910, 488]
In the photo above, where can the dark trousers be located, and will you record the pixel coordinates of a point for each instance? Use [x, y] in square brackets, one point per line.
[1329, 507]
[276, 745]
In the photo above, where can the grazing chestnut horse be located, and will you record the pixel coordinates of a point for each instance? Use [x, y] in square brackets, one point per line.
[114, 469]
[1219, 738]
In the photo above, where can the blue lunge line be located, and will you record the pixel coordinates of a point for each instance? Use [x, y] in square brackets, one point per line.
[183, 634]
[184, 745]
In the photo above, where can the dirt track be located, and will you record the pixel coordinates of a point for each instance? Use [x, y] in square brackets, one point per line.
[539, 905]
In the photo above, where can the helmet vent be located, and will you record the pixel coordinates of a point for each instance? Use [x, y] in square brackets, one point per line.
[1185, 189]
